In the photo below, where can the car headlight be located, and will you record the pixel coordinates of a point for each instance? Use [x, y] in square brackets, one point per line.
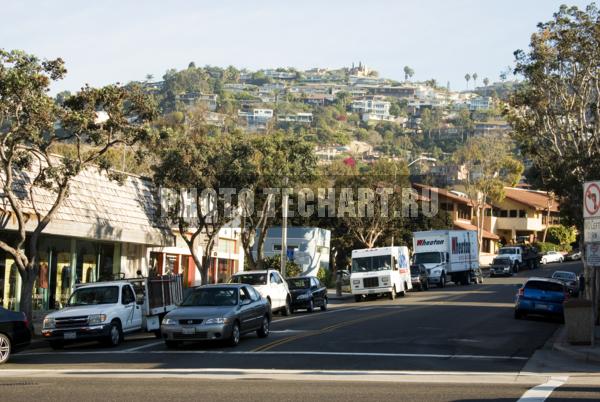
[219, 320]
[304, 296]
[436, 272]
[96, 319]
[356, 281]
[49, 323]
[385, 280]
[169, 321]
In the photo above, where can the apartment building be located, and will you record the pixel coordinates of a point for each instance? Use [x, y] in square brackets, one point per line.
[256, 119]
[372, 109]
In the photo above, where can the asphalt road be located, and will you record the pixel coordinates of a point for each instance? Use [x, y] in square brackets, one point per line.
[440, 343]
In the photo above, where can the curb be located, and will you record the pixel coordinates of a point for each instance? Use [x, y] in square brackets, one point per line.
[584, 356]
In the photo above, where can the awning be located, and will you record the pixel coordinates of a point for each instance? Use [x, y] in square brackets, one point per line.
[469, 226]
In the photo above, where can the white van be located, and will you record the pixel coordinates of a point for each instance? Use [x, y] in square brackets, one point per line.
[380, 271]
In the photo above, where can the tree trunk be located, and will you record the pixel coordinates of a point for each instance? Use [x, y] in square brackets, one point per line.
[27, 281]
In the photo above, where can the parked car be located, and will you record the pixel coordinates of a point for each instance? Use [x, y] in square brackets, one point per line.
[552, 256]
[346, 287]
[307, 293]
[502, 265]
[570, 280]
[541, 296]
[15, 333]
[574, 255]
[106, 311]
[270, 285]
[419, 277]
[217, 312]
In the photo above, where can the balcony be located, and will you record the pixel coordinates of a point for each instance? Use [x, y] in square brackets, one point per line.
[529, 224]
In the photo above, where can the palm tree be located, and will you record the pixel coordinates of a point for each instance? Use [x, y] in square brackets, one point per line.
[475, 80]
[467, 78]
[408, 73]
[486, 81]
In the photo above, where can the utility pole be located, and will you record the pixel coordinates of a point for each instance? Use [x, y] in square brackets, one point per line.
[284, 216]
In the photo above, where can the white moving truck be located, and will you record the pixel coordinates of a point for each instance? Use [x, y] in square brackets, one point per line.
[383, 270]
[448, 255]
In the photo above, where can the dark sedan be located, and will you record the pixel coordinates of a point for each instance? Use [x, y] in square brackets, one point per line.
[570, 280]
[501, 266]
[307, 293]
[419, 277]
[217, 312]
[14, 333]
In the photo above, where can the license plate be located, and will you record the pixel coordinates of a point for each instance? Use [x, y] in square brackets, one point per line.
[70, 335]
[542, 306]
[188, 331]
[372, 291]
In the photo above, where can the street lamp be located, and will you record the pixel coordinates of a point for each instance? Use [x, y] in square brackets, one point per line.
[423, 158]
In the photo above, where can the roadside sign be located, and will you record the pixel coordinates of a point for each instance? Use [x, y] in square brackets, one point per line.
[591, 230]
[591, 199]
[592, 254]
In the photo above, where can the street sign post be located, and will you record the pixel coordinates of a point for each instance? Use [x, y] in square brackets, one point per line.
[591, 211]
[592, 253]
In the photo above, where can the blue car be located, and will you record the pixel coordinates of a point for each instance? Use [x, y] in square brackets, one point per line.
[543, 296]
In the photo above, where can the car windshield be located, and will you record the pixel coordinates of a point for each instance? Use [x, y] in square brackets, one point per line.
[507, 251]
[376, 263]
[250, 279]
[544, 285]
[94, 295]
[564, 275]
[211, 297]
[428, 258]
[299, 283]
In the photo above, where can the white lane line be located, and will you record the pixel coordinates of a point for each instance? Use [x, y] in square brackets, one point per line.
[540, 392]
[285, 353]
[143, 346]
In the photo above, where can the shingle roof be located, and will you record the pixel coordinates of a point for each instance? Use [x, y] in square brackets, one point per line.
[536, 199]
[96, 207]
[446, 194]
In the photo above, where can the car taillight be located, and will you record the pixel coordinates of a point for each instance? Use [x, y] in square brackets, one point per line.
[25, 320]
[521, 292]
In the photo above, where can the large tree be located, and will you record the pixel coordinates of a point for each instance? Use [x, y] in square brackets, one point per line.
[92, 122]
[555, 113]
[490, 167]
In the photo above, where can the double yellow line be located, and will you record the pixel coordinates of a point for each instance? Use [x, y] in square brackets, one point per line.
[321, 331]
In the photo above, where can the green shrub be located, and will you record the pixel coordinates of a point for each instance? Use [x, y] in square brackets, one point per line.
[326, 277]
[547, 246]
[291, 268]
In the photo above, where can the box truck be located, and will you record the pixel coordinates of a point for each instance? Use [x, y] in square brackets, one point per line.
[448, 255]
[380, 271]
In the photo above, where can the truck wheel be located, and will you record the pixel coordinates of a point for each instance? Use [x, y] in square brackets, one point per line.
[425, 286]
[286, 311]
[442, 283]
[115, 335]
[157, 334]
[357, 298]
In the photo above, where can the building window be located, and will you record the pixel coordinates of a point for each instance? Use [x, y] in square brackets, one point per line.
[276, 247]
[522, 213]
[513, 213]
[503, 213]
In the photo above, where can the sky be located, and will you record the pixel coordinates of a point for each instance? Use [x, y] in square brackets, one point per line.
[105, 42]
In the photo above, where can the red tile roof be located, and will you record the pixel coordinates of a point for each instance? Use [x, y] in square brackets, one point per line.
[536, 199]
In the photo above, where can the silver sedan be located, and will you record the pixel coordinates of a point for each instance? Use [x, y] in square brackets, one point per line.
[217, 312]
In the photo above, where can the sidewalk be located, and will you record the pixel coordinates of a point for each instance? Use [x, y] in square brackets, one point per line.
[344, 297]
[583, 353]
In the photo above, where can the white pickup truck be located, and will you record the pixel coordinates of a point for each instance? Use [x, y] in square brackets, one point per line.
[105, 311]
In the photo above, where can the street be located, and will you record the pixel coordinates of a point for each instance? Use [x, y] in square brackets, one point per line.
[457, 335]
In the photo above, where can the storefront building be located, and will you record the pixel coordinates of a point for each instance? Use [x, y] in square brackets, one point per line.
[102, 231]
[227, 258]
